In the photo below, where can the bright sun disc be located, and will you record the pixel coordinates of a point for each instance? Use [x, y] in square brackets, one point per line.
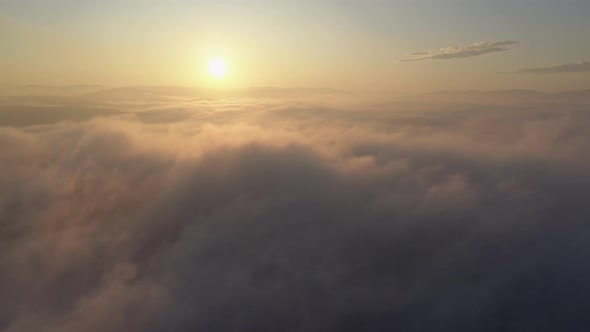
[218, 68]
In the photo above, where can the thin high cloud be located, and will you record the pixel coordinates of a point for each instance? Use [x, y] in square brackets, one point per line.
[460, 52]
[578, 67]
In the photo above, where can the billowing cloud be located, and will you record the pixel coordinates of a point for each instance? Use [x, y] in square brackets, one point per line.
[578, 67]
[275, 215]
[459, 52]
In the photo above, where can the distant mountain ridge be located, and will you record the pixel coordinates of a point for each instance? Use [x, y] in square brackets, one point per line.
[577, 95]
[163, 93]
[48, 90]
[515, 92]
[99, 93]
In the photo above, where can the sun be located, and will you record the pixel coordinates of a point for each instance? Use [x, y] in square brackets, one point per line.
[218, 68]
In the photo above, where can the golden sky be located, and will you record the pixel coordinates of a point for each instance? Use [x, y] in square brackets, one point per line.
[357, 45]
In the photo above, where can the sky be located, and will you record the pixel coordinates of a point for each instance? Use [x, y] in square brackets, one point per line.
[353, 45]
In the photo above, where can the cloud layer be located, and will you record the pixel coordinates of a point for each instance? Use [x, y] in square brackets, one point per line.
[460, 52]
[578, 67]
[298, 215]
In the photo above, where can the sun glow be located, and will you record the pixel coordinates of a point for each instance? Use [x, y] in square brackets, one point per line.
[218, 68]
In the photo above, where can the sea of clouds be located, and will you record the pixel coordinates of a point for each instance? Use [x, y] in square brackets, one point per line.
[130, 210]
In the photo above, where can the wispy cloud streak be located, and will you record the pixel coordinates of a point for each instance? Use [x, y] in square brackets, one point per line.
[460, 52]
[578, 67]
